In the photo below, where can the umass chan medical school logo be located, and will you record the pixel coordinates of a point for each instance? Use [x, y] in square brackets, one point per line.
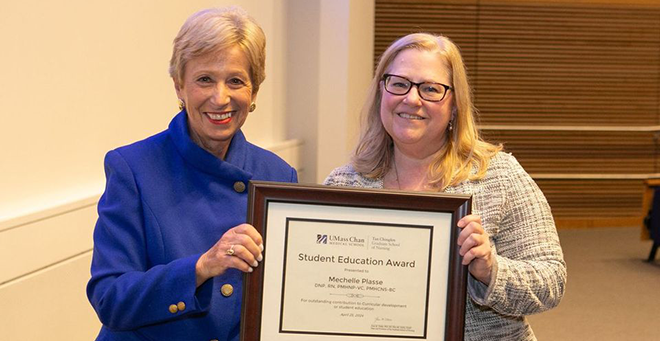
[340, 240]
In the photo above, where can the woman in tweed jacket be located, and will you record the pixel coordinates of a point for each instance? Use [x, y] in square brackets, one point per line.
[425, 139]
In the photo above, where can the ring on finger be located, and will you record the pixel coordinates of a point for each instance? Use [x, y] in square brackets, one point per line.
[231, 251]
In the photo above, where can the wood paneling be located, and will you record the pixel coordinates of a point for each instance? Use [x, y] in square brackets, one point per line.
[606, 152]
[565, 64]
[593, 198]
[456, 20]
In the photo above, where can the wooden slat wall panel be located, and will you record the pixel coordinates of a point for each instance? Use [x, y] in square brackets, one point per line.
[570, 64]
[567, 65]
[456, 20]
[583, 152]
[593, 198]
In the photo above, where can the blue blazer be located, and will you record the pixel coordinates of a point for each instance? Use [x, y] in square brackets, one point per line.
[166, 202]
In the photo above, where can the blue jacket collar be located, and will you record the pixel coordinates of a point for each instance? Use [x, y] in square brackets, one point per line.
[234, 163]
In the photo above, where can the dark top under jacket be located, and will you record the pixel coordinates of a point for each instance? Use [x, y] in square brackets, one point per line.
[654, 221]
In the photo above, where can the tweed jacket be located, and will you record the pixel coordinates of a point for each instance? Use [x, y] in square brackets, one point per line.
[166, 202]
[529, 273]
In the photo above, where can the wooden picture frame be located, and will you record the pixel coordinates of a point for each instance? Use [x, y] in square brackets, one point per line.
[364, 264]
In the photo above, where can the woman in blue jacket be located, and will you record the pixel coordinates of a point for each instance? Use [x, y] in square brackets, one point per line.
[171, 243]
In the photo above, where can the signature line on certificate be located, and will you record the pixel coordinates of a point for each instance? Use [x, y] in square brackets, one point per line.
[355, 295]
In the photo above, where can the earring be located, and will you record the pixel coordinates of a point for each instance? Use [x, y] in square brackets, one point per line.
[252, 107]
[182, 105]
[451, 125]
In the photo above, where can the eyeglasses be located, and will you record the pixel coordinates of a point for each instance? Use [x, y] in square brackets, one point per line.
[429, 91]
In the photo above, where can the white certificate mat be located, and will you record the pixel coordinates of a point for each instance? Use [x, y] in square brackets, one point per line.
[355, 278]
[359, 273]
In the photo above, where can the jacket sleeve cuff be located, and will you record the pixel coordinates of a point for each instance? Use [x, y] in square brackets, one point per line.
[204, 292]
[486, 295]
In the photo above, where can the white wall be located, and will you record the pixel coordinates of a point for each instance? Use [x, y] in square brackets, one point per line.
[81, 77]
[330, 67]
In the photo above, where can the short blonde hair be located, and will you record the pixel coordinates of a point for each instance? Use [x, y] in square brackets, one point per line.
[214, 30]
[463, 149]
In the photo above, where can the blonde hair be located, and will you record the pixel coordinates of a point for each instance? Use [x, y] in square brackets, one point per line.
[214, 30]
[463, 148]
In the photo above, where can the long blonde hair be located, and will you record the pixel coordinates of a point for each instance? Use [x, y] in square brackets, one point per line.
[463, 149]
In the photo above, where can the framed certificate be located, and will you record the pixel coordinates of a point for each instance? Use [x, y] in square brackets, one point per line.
[360, 264]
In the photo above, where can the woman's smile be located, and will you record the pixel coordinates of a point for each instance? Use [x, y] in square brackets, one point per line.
[410, 116]
[219, 118]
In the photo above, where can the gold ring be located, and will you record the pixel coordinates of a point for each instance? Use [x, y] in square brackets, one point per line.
[231, 251]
